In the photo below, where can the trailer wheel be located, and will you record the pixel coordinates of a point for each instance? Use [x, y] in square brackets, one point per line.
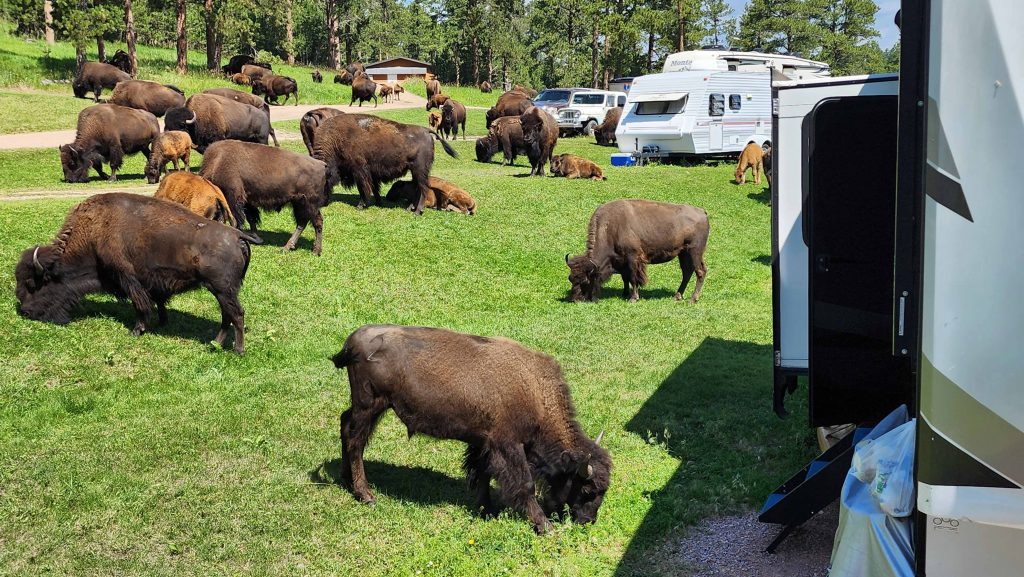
[589, 127]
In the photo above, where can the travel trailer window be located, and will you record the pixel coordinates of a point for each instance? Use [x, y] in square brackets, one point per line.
[621, 101]
[662, 106]
[734, 102]
[716, 105]
[588, 99]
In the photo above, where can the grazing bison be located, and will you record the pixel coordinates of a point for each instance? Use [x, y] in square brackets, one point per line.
[572, 166]
[529, 92]
[432, 87]
[453, 114]
[540, 134]
[767, 162]
[505, 134]
[442, 195]
[752, 157]
[605, 132]
[398, 89]
[197, 194]
[486, 87]
[256, 71]
[255, 176]
[625, 235]
[272, 86]
[94, 77]
[139, 248]
[171, 146]
[317, 77]
[363, 89]
[343, 77]
[146, 95]
[436, 101]
[510, 404]
[241, 79]
[509, 104]
[385, 91]
[107, 133]
[121, 61]
[355, 68]
[246, 98]
[234, 66]
[365, 150]
[311, 121]
[209, 117]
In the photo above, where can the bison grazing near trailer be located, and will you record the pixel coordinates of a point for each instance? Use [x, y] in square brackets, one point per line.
[311, 121]
[171, 146]
[486, 87]
[142, 249]
[317, 76]
[208, 118]
[272, 86]
[197, 194]
[94, 77]
[107, 133]
[240, 169]
[453, 114]
[604, 134]
[509, 104]
[506, 135]
[540, 134]
[625, 235]
[246, 98]
[509, 404]
[572, 166]
[433, 87]
[363, 89]
[146, 95]
[256, 71]
[436, 101]
[365, 151]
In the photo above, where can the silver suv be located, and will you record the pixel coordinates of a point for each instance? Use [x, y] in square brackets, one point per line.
[579, 110]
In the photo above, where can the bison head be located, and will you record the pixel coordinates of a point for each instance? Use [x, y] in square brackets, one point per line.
[434, 120]
[181, 118]
[601, 137]
[556, 164]
[79, 88]
[589, 484]
[258, 87]
[485, 148]
[491, 115]
[584, 276]
[43, 294]
[75, 163]
[533, 125]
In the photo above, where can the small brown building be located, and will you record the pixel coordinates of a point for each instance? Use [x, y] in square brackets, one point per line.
[395, 69]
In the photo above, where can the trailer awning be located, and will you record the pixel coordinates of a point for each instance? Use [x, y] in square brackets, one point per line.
[657, 96]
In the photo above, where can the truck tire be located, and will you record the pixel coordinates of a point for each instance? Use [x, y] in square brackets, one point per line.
[589, 127]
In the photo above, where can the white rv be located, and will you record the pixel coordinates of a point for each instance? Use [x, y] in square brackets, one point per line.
[706, 103]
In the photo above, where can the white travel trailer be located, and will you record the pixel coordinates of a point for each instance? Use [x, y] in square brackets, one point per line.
[707, 103]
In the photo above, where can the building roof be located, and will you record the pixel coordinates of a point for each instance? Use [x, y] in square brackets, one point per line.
[386, 61]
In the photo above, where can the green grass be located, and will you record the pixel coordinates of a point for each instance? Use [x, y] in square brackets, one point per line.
[158, 456]
[34, 111]
[467, 95]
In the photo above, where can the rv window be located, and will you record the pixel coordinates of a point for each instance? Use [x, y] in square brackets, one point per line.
[734, 102]
[588, 99]
[662, 106]
[716, 105]
[621, 101]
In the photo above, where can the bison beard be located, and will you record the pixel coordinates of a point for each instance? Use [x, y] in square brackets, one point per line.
[510, 404]
[137, 248]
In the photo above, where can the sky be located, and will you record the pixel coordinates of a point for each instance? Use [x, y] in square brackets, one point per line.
[883, 20]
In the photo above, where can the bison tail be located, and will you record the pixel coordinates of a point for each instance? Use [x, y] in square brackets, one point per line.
[345, 357]
[447, 147]
[249, 237]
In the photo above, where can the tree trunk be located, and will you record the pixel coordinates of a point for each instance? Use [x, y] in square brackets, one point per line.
[182, 66]
[212, 42]
[80, 50]
[607, 51]
[681, 15]
[348, 41]
[650, 52]
[48, 21]
[129, 37]
[332, 34]
[504, 73]
[458, 70]
[101, 49]
[475, 47]
[490, 65]
[594, 58]
[289, 37]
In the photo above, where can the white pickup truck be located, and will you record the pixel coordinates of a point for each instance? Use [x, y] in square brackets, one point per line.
[578, 110]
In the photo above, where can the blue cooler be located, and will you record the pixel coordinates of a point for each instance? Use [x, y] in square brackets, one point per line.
[623, 159]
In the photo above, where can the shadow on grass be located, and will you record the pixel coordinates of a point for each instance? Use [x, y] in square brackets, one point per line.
[765, 259]
[764, 196]
[179, 323]
[414, 484]
[697, 415]
[275, 239]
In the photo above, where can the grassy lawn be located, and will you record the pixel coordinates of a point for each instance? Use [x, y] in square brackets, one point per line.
[468, 95]
[158, 456]
[38, 111]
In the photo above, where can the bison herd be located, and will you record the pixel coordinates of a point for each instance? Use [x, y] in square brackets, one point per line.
[509, 404]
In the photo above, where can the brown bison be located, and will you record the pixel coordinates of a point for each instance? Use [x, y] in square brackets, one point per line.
[434, 120]
[197, 194]
[272, 87]
[94, 77]
[317, 76]
[107, 133]
[442, 195]
[605, 132]
[311, 121]
[509, 104]
[209, 117]
[145, 95]
[364, 151]
[385, 91]
[235, 64]
[404, 192]
[432, 87]
[540, 134]
[509, 404]
[398, 89]
[256, 176]
[246, 98]
[241, 79]
[355, 68]
[453, 114]
[343, 77]
[752, 157]
[121, 61]
[171, 146]
[625, 235]
[486, 87]
[436, 101]
[363, 89]
[138, 248]
[572, 166]
[256, 71]
[506, 135]
[529, 92]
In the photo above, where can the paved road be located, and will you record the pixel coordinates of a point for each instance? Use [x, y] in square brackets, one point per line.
[54, 138]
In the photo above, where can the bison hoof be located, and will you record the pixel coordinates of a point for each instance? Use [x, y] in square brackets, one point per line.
[138, 330]
[678, 296]
[360, 206]
[542, 528]
[633, 299]
[367, 499]
[113, 178]
[240, 351]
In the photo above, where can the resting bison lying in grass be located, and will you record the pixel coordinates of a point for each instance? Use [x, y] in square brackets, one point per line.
[246, 98]
[442, 195]
[365, 151]
[107, 132]
[94, 77]
[485, 87]
[625, 235]
[145, 95]
[540, 134]
[572, 166]
[311, 121]
[171, 146]
[138, 248]
[510, 404]
[197, 194]
[208, 118]
[605, 132]
[505, 134]
[256, 176]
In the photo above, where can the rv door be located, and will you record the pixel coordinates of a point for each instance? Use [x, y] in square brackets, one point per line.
[716, 130]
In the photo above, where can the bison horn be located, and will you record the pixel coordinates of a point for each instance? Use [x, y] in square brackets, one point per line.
[193, 120]
[35, 260]
[566, 258]
[599, 437]
[585, 470]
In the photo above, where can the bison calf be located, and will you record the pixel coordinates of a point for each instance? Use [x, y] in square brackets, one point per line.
[625, 235]
[138, 248]
[509, 404]
[752, 157]
[171, 146]
[197, 194]
[572, 166]
[241, 79]
[441, 194]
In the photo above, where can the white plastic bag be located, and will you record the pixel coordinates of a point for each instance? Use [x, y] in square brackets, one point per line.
[886, 466]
